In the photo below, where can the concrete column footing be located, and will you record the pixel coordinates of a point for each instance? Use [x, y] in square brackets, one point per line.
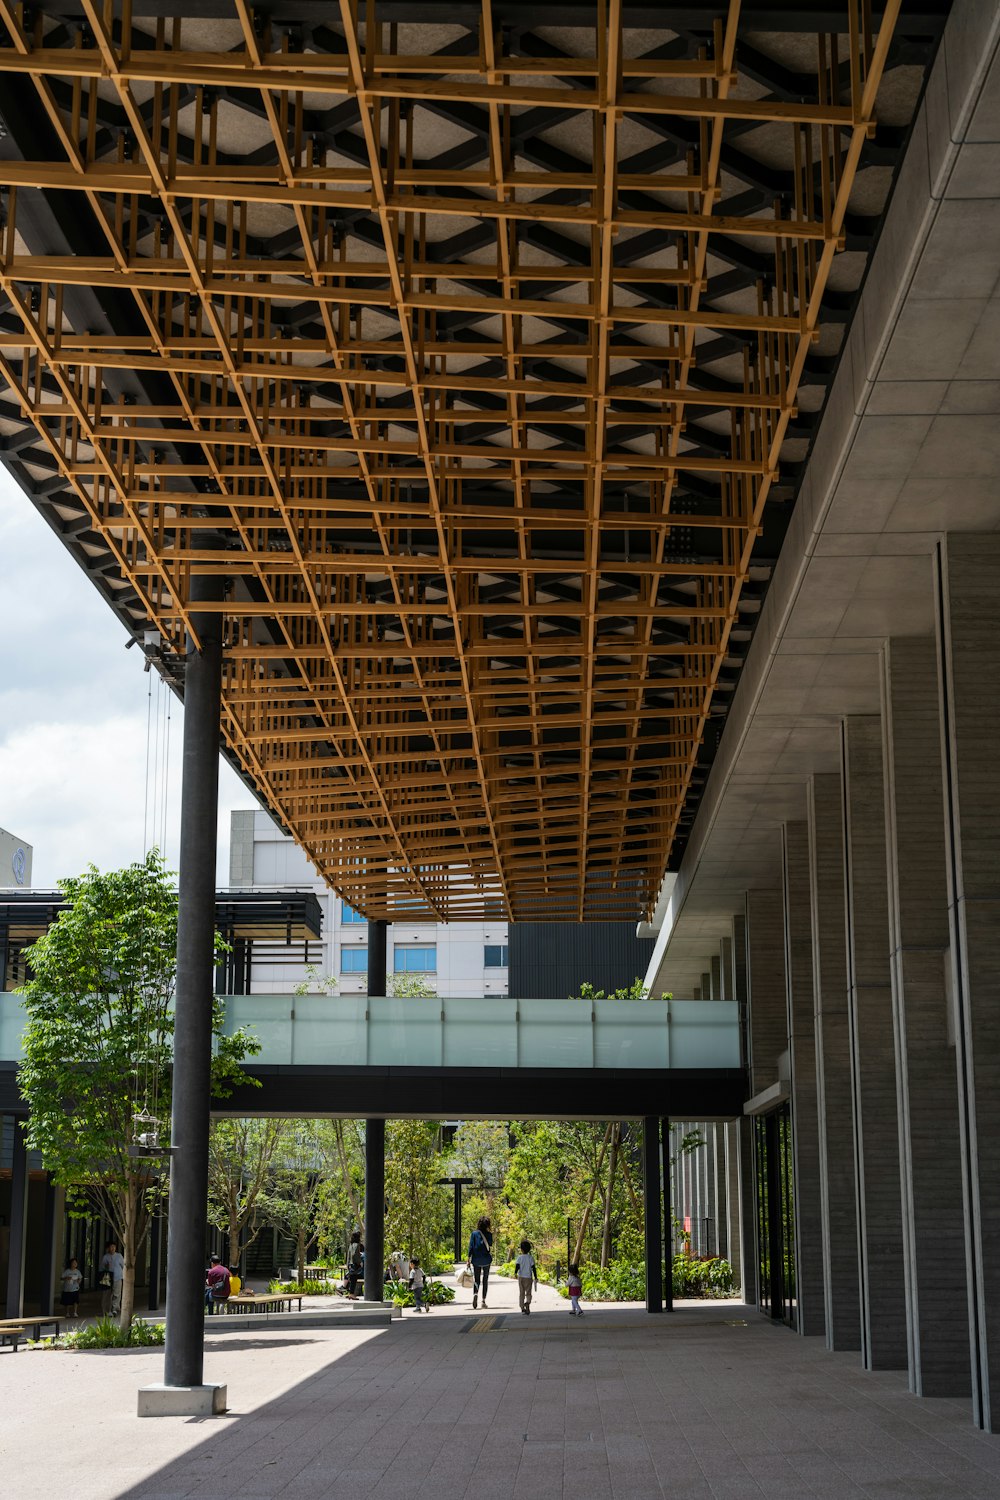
[161, 1400]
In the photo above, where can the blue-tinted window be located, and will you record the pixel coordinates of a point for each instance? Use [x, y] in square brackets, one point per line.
[413, 960]
[495, 956]
[350, 917]
[354, 960]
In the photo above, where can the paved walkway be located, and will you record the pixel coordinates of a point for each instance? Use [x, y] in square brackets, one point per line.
[710, 1403]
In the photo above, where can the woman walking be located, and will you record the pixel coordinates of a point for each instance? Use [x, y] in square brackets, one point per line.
[480, 1258]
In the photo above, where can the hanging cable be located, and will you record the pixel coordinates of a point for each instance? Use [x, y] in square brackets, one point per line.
[166, 769]
[145, 806]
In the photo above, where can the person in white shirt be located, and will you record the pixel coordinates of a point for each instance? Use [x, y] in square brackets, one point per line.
[72, 1279]
[417, 1282]
[113, 1264]
[527, 1277]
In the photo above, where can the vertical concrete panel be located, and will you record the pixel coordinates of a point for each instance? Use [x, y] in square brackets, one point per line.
[969, 661]
[802, 1062]
[873, 1056]
[834, 1098]
[768, 1029]
[726, 969]
[930, 1145]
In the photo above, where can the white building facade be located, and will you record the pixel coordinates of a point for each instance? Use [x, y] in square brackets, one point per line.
[15, 861]
[451, 958]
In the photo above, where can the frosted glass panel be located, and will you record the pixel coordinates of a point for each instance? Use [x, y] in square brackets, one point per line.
[631, 1033]
[704, 1034]
[556, 1034]
[480, 1033]
[269, 1017]
[12, 1019]
[404, 1033]
[352, 1031]
[330, 1031]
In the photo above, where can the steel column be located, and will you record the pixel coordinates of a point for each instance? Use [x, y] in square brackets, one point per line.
[651, 1213]
[376, 957]
[668, 1216]
[374, 1208]
[192, 1073]
[18, 1222]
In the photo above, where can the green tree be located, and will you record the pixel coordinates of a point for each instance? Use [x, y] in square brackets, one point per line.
[482, 1151]
[240, 1159]
[342, 1189]
[290, 1201]
[98, 1046]
[415, 1204]
[409, 987]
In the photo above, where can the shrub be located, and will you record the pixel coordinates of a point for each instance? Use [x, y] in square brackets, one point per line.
[619, 1282]
[710, 1276]
[435, 1293]
[624, 1281]
[106, 1334]
[307, 1288]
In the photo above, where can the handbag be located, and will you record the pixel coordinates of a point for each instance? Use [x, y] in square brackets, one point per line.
[104, 1281]
[463, 1276]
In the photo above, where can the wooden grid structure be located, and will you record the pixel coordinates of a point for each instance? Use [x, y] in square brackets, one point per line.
[464, 356]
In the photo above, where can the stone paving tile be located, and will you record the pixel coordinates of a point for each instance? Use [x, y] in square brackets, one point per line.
[686, 1407]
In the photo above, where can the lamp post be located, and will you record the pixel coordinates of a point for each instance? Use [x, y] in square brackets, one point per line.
[458, 1183]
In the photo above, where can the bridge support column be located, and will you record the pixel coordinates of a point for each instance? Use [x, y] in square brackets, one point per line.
[376, 957]
[192, 1073]
[651, 1213]
[374, 1209]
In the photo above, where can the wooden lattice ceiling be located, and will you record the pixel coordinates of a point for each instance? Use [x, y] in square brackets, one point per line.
[466, 354]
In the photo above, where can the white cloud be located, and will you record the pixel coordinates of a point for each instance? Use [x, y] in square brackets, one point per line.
[73, 714]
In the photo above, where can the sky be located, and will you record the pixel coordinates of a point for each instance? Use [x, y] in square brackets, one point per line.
[74, 705]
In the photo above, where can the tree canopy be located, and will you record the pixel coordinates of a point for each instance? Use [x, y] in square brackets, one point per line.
[98, 1044]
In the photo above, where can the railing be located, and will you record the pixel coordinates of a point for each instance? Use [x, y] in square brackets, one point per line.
[354, 1031]
[491, 1032]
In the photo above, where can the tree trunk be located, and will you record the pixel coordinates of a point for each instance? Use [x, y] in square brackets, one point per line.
[129, 1216]
[608, 1198]
[349, 1188]
[582, 1233]
[627, 1175]
[234, 1241]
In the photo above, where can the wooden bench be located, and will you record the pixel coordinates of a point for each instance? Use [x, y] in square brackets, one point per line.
[265, 1302]
[36, 1324]
[12, 1336]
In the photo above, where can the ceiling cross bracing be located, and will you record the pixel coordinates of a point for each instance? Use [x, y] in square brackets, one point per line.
[470, 357]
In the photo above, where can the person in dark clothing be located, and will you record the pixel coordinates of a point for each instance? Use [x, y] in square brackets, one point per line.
[480, 1258]
[355, 1263]
[216, 1284]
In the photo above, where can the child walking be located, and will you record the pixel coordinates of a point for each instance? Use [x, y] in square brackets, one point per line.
[72, 1278]
[575, 1287]
[417, 1284]
[527, 1277]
